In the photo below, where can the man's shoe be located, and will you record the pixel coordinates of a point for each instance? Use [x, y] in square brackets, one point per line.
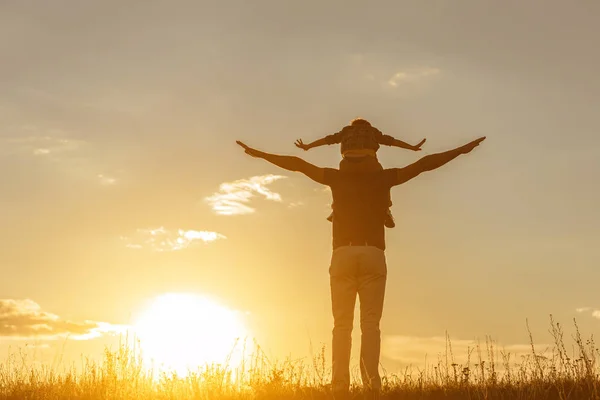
[389, 220]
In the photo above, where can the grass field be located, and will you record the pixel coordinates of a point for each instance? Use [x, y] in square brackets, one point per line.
[489, 373]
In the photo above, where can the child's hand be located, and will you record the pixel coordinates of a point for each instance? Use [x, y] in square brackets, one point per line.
[300, 144]
[418, 146]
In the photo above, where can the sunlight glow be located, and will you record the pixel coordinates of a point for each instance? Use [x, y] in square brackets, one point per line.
[182, 332]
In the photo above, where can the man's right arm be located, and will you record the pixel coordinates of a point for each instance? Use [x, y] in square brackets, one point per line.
[290, 163]
[433, 161]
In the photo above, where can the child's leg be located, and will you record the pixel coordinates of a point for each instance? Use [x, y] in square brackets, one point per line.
[343, 167]
[346, 165]
[389, 218]
[378, 164]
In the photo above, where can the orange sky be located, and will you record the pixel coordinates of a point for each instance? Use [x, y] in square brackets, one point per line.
[117, 120]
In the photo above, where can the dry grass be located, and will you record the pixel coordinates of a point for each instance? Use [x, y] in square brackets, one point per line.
[488, 373]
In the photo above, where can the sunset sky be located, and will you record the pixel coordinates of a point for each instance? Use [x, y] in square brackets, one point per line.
[121, 180]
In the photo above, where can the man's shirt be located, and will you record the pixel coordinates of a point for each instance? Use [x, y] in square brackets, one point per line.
[361, 203]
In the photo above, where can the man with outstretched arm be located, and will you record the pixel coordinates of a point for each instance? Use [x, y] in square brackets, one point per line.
[358, 265]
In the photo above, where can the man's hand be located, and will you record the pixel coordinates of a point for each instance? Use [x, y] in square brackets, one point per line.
[300, 144]
[418, 146]
[249, 150]
[470, 146]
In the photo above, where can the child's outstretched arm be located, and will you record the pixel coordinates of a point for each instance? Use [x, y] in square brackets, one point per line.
[404, 145]
[388, 140]
[327, 140]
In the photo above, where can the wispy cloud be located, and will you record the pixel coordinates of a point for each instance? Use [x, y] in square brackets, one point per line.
[412, 75]
[22, 319]
[106, 180]
[412, 350]
[51, 145]
[296, 204]
[72, 156]
[161, 239]
[233, 197]
[592, 311]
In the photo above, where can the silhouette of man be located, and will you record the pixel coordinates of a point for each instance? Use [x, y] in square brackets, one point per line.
[358, 265]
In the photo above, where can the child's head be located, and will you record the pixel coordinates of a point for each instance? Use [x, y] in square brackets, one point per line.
[359, 122]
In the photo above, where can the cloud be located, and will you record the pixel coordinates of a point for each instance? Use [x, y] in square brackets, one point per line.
[161, 239]
[22, 319]
[233, 197]
[52, 145]
[412, 75]
[411, 350]
[70, 156]
[594, 312]
[106, 180]
[296, 204]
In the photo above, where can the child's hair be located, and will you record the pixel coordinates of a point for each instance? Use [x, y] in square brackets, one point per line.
[359, 122]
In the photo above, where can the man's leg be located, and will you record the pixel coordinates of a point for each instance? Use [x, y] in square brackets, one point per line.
[371, 291]
[344, 285]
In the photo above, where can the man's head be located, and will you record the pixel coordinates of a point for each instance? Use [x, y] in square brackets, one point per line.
[360, 122]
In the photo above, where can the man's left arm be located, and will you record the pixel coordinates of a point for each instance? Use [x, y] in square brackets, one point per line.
[432, 161]
[290, 163]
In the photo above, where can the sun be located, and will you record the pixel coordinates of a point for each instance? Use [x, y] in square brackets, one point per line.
[182, 332]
